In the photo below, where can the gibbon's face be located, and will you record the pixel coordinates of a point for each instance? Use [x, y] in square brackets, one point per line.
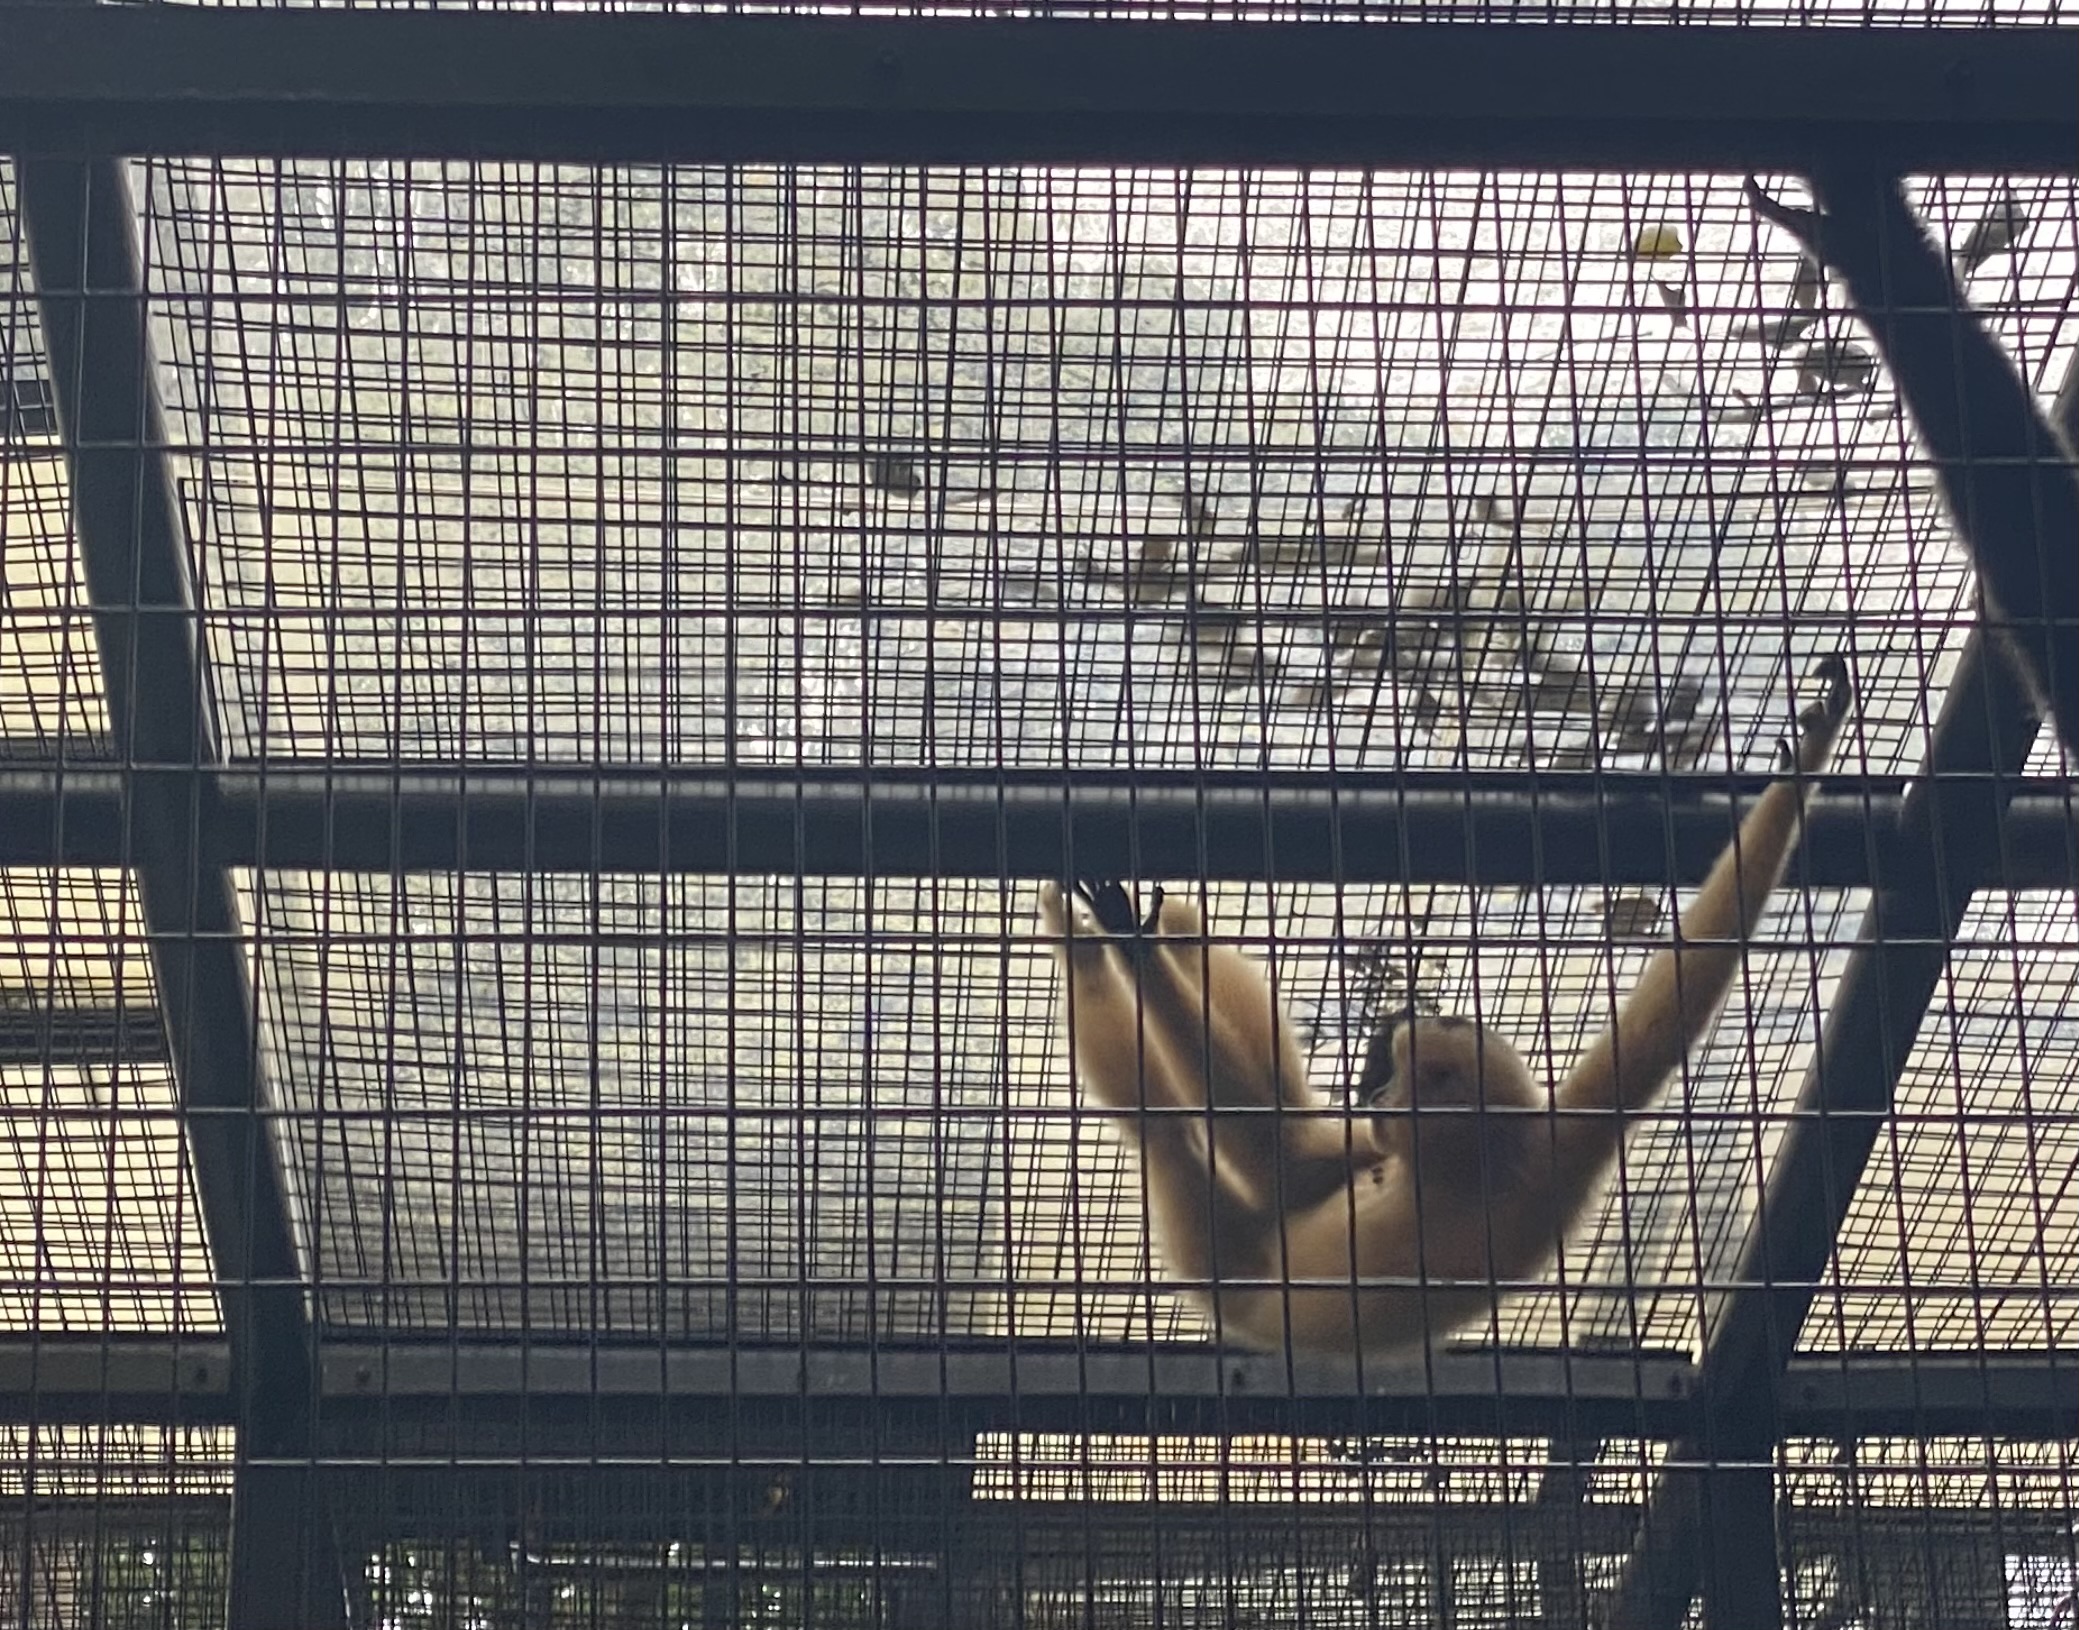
[1434, 1059]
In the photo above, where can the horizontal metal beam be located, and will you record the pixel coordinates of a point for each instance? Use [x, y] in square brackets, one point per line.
[454, 84]
[1488, 829]
[2023, 1395]
[1183, 1370]
[87, 1035]
[115, 1378]
[2031, 1396]
[2017, 1395]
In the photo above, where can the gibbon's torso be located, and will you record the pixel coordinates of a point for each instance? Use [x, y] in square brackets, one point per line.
[1424, 1241]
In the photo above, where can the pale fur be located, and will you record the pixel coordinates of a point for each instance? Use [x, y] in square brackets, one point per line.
[1282, 1216]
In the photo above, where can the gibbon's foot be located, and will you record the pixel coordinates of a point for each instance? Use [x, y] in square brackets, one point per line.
[1808, 226]
[1113, 906]
[1819, 719]
[1832, 706]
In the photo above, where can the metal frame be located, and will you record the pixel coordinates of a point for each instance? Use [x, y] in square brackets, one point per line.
[154, 1379]
[1599, 830]
[1951, 828]
[98, 80]
[76, 220]
[166, 79]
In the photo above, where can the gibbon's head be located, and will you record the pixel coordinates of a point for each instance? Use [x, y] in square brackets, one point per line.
[1424, 1060]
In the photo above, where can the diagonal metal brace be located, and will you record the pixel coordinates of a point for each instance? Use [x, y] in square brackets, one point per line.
[77, 220]
[1709, 1521]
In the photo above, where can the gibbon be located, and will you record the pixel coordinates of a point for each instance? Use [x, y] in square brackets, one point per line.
[2006, 475]
[1297, 1224]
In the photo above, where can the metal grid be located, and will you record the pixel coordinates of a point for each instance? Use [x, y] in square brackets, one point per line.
[905, 437]
[818, 469]
[1473, 1532]
[1488, 483]
[98, 1229]
[124, 1526]
[1896, 13]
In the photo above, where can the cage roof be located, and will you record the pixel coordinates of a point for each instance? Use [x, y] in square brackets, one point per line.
[512, 466]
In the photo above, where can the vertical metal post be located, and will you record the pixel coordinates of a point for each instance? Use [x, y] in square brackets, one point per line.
[78, 225]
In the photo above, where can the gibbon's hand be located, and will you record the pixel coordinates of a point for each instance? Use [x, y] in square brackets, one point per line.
[1113, 907]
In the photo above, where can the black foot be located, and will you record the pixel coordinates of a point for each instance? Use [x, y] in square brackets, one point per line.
[1822, 717]
[1113, 906]
[1808, 226]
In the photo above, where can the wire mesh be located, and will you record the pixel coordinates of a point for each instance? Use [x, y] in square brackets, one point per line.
[1483, 481]
[1890, 13]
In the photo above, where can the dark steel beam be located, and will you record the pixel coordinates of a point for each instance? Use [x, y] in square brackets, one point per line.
[1739, 1563]
[143, 1378]
[1952, 836]
[1951, 829]
[1562, 1497]
[76, 219]
[714, 1391]
[62, 817]
[114, 1378]
[34, 1034]
[351, 1369]
[188, 80]
[2022, 1395]
[1492, 829]
[2015, 1395]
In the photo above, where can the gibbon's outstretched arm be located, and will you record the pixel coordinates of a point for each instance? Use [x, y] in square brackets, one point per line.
[1677, 996]
[1294, 1222]
[2006, 474]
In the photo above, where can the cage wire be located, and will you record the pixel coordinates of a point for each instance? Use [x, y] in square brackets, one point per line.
[990, 479]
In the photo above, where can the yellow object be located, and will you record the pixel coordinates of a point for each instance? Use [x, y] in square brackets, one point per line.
[1656, 243]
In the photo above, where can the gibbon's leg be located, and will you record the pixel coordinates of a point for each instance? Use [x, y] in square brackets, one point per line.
[1675, 999]
[1123, 1064]
[1235, 1048]
[2006, 474]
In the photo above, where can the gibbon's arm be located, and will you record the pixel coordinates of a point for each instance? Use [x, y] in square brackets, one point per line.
[1675, 999]
[1223, 1026]
[1165, 1018]
[2007, 476]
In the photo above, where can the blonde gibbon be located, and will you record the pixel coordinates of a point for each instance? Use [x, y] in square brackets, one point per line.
[1294, 1223]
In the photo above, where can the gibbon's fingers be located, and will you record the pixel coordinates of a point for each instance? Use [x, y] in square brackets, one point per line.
[1113, 907]
[1676, 997]
[1119, 1062]
[2007, 476]
[1054, 911]
[1821, 720]
[1805, 225]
